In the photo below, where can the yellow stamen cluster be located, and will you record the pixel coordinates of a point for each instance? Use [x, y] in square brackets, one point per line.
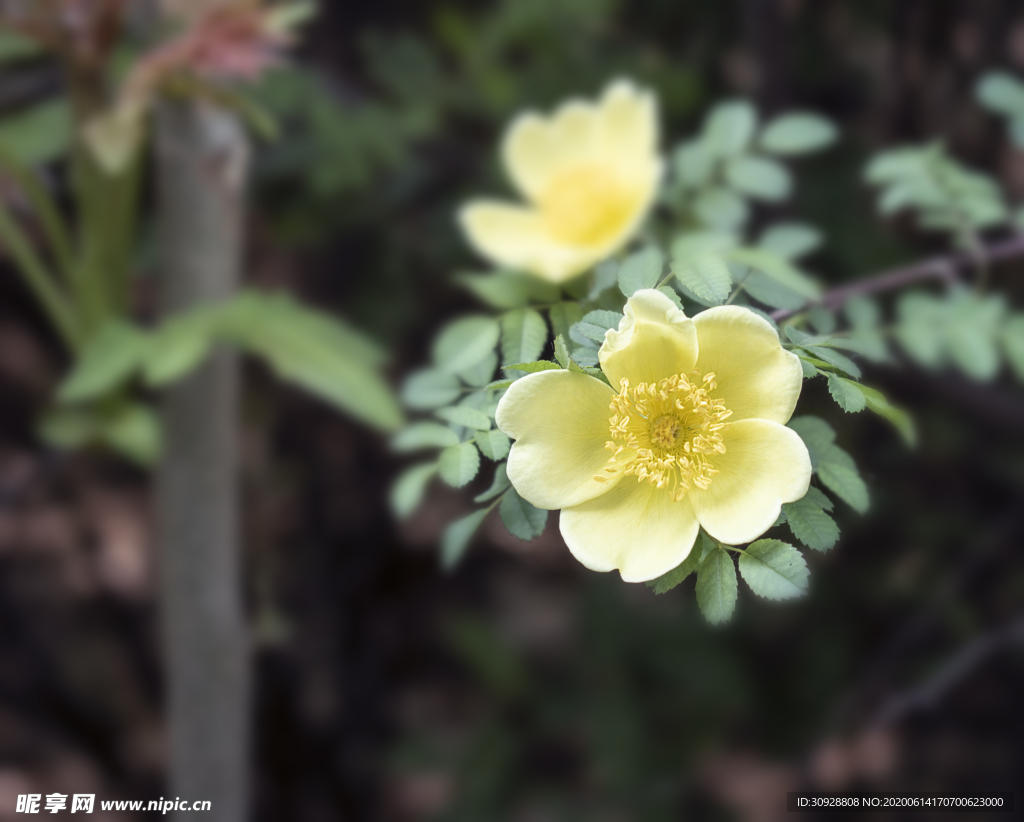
[665, 433]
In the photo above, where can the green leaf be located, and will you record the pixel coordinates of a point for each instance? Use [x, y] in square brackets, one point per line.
[468, 417]
[972, 340]
[424, 390]
[564, 316]
[693, 243]
[797, 133]
[456, 537]
[672, 294]
[465, 342]
[482, 373]
[716, 586]
[821, 319]
[903, 422]
[729, 128]
[846, 394]
[408, 490]
[314, 351]
[819, 498]
[790, 240]
[776, 267]
[421, 435]
[760, 178]
[106, 362]
[827, 355]
[39, 135]
[920, 328]
[562, 352]
[774, 569]
[863, 313]
[810, 524]
[133, 431]
[499, 484]
[179, 346]
[523, 335]
[509, 290]
[810, 371]
[1001, 92]
[721, 208]
[523, 520]
[837, 470]
[693, 164]
[494, 445]
[706, 275]
[459, 464]
[642, 269]
[817, 435]
[766, 290]
[595, 324]
[533, 367]
[666, 582]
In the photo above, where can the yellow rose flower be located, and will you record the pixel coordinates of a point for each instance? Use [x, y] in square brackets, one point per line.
[589, 174]
[694, 436]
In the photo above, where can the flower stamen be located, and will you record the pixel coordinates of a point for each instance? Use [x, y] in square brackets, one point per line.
[666, 433]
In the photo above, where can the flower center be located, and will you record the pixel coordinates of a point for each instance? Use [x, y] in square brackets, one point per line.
[667, 432]
[584, 205]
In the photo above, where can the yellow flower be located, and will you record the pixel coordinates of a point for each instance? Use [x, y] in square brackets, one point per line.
[693, 436]
[589, 173]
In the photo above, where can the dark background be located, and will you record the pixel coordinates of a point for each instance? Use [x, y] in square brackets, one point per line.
[522, 687]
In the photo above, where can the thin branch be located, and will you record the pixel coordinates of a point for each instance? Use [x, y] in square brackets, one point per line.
[937, 268]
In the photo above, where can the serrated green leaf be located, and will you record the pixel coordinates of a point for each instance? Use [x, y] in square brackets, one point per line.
[847, 394]
[837, 470]
[771, 293]
[706, 275]
[716, 586]
[818, 497]
[523, 520]
[810, 524]
[564, 316]
[459, 464]
[817, 435]
[831, 357]
[790, 240]
[533, 367]
[774, 569]
[467, 417]
[523, 335]
[499, 484]
[972, 334]
[639, 270]
[463, 343]
[421, 435]
[562, 352]
[903, 422]
[424, 390]
[672, 294]
[691, 243]
[666, 582]
[494, 445]
[456, 537]
[106, 362]
[408, 490]
[921, 319]
[777, 268]
[821, 319]
[482, 373]
[810, 370]
[797, 133]
[759, 178]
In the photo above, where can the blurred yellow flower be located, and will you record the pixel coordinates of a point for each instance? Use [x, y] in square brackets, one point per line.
[589, 174]
[693, 436]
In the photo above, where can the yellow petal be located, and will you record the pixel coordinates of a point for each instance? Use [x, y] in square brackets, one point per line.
[765, 464]
[627, 123]
[635, 527]
[654, 340]
[757, 378]
[559, 420]
[515, 237]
